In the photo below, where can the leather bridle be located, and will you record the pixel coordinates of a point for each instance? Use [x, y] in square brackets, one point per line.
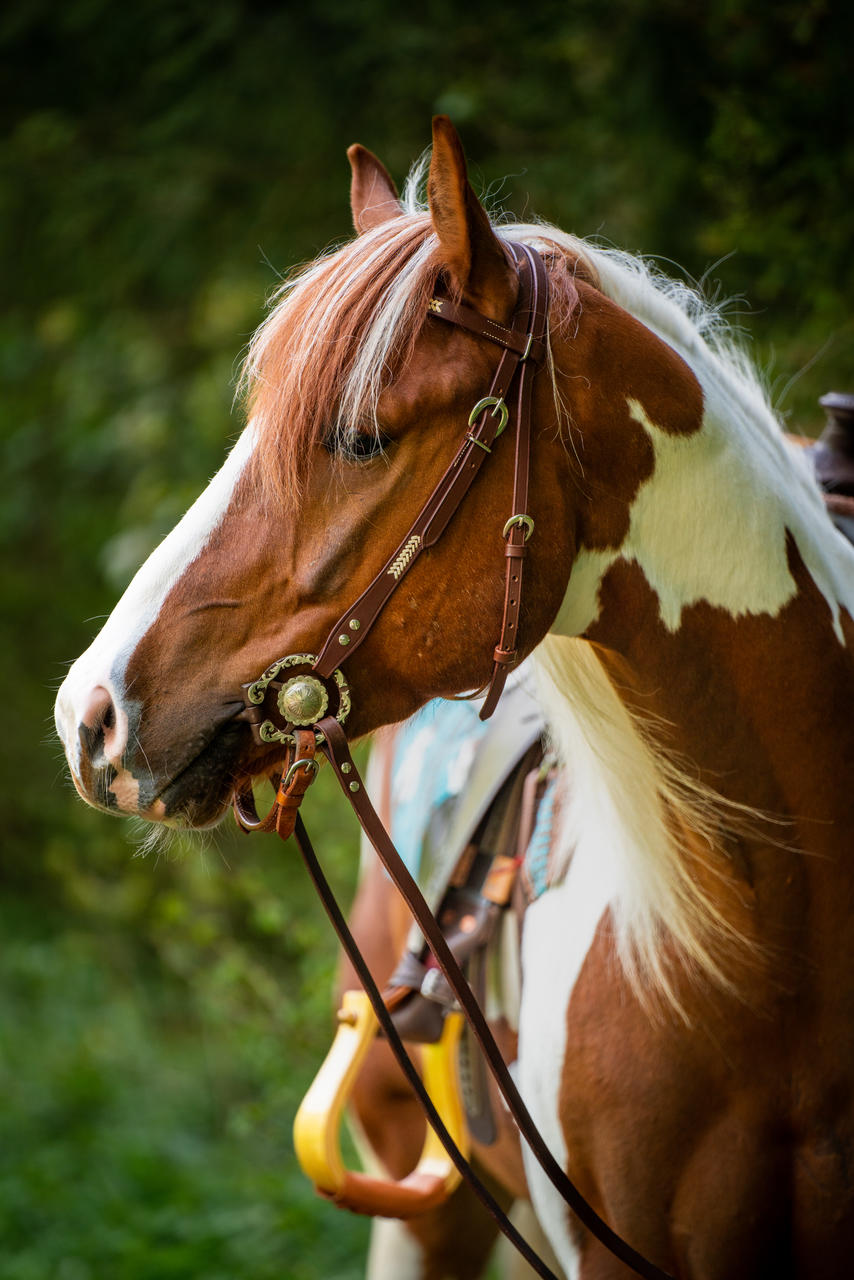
[302, 702]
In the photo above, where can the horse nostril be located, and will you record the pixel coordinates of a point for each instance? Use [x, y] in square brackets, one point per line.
[99, 725]
[98, 712]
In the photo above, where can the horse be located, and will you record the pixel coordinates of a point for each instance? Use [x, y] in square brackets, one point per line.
[686, 1030]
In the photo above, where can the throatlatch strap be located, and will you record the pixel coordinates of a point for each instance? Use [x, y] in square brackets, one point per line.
[520, 526]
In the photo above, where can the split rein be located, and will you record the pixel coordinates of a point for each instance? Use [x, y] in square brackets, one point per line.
[302, 702]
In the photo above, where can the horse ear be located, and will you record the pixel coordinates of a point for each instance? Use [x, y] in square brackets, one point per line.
[373, 195]
[472, 252]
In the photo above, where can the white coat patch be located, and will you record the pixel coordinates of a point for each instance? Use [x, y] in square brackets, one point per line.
[559, 931]
[710, 525]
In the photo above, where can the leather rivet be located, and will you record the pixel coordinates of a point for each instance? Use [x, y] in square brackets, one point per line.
[354, 624]
[346, 767]
[343, 639]
[354, 786]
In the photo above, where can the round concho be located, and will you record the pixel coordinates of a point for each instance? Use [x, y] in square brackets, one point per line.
[302, 699]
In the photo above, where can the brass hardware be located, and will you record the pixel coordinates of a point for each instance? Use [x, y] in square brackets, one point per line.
[343, 639]
[401, 562]
[354, 786]
[499, 410]
[299, 764]
[435, 305]
[524, 522]
[257, 691]
[346, 767]
[303, 700]
[479, 443]
[354, 624]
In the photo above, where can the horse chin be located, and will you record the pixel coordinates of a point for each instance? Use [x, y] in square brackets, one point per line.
[199, 796]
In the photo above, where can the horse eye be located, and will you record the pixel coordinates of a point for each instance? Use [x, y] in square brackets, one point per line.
[357, 446]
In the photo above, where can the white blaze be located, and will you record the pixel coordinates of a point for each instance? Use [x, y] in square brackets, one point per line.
[105, 661]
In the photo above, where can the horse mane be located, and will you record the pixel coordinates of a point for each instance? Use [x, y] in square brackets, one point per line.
[339, 330]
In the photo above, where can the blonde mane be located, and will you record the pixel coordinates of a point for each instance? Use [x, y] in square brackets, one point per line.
[337, 334]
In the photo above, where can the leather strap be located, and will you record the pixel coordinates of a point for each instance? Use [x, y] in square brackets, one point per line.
[405, 1063]
[467, 318]
[519, 527]
[523, 345]
[297, 776]
[337, 750]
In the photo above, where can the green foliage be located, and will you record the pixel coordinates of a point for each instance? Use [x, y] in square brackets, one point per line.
[160, 165]
[148, 1134]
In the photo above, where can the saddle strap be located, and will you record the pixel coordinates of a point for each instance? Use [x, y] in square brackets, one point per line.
[336, 748]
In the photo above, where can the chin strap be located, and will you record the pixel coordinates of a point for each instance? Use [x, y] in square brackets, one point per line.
[283, 818]
[297, 777]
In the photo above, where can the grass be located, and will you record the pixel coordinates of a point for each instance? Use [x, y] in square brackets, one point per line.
[149, 1080]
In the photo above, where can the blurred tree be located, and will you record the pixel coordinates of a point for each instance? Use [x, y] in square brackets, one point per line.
[160, 165]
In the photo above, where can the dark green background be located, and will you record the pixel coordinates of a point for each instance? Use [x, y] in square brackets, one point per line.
[161, 163]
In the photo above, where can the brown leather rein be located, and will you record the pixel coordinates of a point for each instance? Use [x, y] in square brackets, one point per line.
[302, 701]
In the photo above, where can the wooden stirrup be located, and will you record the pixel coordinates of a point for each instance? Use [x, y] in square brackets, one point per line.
[318, 1121]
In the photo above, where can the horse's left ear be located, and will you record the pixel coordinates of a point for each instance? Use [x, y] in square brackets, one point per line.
[471, 251]
[373, 195]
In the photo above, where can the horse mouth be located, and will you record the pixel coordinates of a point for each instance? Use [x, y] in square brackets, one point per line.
[199, 795]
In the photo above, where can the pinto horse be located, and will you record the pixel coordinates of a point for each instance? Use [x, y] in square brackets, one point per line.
[686, 1033]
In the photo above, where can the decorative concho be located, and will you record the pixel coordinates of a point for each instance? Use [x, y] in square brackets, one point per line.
[302, 699]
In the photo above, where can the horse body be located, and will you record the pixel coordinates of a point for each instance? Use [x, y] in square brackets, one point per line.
[686, 1022]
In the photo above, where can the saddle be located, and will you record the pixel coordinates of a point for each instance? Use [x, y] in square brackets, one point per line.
[833, 459]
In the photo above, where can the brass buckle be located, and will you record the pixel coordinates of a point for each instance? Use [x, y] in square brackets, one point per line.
[499, 410]
[524, 522]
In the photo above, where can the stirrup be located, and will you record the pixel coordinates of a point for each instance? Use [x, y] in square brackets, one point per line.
[318, 1121]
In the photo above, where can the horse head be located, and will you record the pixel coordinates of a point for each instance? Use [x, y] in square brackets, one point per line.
[358, 399]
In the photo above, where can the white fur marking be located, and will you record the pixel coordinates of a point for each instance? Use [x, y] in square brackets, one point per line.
[710, 525]
[394, 1254]
[105, 661]
[559, 931]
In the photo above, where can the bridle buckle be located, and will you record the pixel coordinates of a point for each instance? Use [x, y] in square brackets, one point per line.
[524, 522]
[499, 410]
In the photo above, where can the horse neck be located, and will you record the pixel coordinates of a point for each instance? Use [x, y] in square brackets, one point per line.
[705, 564]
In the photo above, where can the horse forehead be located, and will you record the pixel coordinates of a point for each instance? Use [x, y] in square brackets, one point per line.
[446, 362]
